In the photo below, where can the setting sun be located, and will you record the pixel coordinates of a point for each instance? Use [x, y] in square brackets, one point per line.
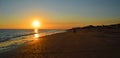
[36, 24]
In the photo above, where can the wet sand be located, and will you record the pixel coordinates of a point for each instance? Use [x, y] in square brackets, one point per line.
[82, 44]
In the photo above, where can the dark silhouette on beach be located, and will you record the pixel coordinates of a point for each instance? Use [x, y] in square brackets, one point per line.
[91, 27]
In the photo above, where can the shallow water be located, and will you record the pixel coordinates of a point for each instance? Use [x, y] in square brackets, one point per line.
[10, 38]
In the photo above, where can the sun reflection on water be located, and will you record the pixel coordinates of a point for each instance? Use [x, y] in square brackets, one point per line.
[36, 36]
[36, 30]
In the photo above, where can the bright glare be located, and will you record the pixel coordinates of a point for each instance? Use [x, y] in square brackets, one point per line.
[36, 24]
[36, 35]
[36, 30]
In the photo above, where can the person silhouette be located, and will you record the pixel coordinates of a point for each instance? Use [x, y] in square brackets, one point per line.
[74, 30]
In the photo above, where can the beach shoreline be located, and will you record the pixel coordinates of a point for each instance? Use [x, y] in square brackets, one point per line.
[82, 44]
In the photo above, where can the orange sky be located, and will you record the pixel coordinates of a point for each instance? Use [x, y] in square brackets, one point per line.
[58, 14]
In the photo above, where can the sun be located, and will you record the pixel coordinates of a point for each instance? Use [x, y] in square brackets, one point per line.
[36, 23]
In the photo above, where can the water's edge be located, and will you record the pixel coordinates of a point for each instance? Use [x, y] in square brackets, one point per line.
[21, 40]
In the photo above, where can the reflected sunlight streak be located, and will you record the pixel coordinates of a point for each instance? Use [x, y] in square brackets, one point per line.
[36, 25]
[36, 35]
[36, 30]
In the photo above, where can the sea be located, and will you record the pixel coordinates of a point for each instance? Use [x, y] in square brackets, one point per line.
[13, 38]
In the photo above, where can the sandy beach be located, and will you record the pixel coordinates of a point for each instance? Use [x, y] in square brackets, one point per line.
[59, 28]
[82, 44]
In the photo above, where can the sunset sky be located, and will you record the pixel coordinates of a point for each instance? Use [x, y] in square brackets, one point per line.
[58, 14]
